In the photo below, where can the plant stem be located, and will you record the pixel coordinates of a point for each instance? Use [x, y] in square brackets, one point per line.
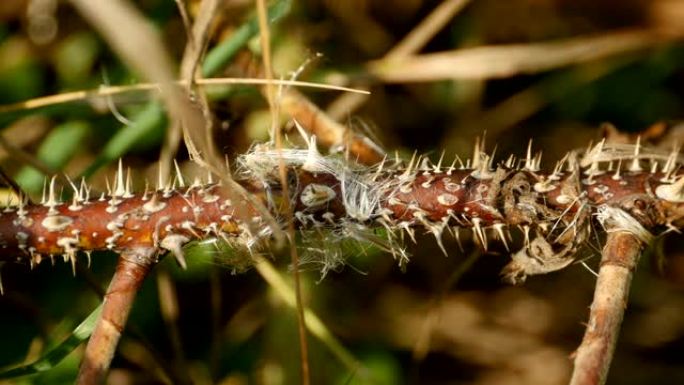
[593, 357]
[130, 273]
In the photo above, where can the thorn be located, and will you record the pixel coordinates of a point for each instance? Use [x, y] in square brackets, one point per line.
[477, 151]
[635, 166]
[2, 289]
[411, 233]
[672, 192]
[452, 167]
[559, 167]
[179, 175]
[537, 161]
[146, 191]
[174, 243]
[490, 165]
[119, 187]
[160, 178]
[72, 258]
[590, 146]
[407, 172]
[301, 131]
[21, 208]
[52, 198]
[76, 198]
[498, 227]
[210, 177]
[425, 165]
[483, 170]
[457, 234]
[617, 176]
[84, 191]
[510, 162]
[529, 165]
[313, 157]
[127, 192]
[380, 166]
[42, 199]
[669, 166]
[77, 192]
[479, 233]
[438, 238]
[438, 168]
[87, 253]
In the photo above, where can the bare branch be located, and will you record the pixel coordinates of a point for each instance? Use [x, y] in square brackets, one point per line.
[594, 355]
[133, 267]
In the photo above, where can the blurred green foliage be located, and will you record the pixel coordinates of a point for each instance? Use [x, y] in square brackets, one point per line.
[233, 329]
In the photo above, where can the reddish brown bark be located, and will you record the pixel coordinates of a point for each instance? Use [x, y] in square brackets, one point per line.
[461, 197]
[594, 355]
[130, 273]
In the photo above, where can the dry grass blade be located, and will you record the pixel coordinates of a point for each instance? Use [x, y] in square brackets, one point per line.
[412, 43]
[194, 47]
[490, 62]
[528, 102]
[313, 322]
[129, 34]
[106, 91]
[276, 131]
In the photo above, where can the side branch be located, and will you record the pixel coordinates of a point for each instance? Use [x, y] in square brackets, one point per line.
[594, 355]
[130, 273]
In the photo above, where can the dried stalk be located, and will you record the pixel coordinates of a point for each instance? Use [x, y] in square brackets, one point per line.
[593, 357]
[133, 267]
[491, 62]
[276, 132]
[410, 44]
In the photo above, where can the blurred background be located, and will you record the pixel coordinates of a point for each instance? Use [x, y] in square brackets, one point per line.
[440, 73]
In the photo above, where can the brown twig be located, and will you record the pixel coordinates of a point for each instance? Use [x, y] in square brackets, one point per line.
[133, 267]
[198, 35]
[594, 355]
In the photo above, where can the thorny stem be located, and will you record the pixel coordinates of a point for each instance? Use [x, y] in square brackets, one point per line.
[130, 273]
[553, 210]
[593, 357]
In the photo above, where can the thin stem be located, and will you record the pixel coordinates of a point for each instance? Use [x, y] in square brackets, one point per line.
[277, 131]
[594, 355]
[130, 273]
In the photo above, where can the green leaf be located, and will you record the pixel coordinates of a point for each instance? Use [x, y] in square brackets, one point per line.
[55, 151]
[223, 53]
[148, 124]
[54, 356]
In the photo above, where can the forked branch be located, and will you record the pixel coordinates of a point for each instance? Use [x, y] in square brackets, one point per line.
[633, 191]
